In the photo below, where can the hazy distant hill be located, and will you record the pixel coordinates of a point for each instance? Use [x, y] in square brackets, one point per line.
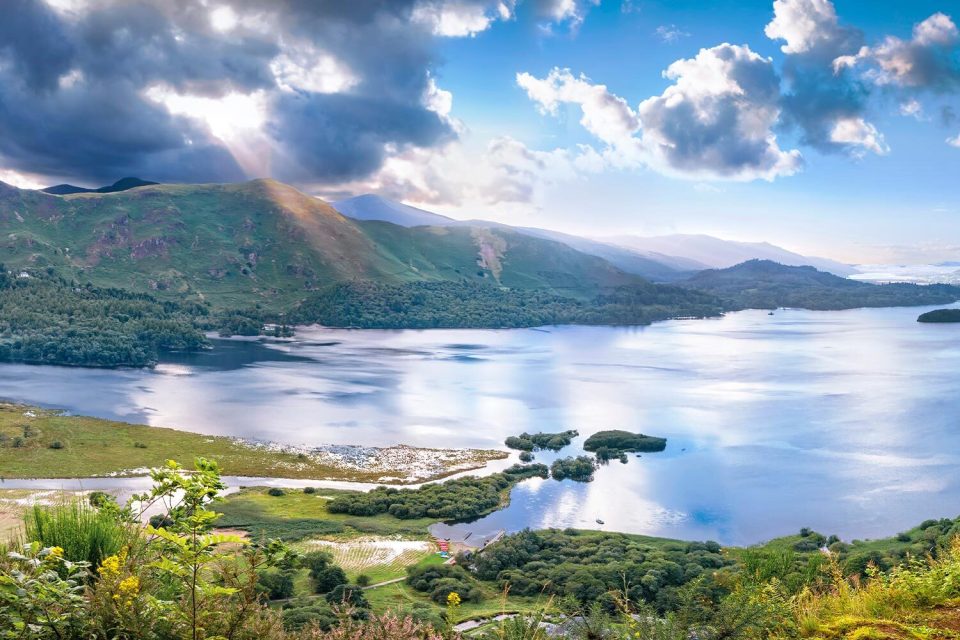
[763, 284]
[660, 268]
[123, 184]
[716, 253]
[373, 207]
[263, 241]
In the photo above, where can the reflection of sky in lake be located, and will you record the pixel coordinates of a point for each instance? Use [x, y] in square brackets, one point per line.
[843, 421]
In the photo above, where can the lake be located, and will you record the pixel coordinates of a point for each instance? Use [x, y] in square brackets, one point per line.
[847, 422]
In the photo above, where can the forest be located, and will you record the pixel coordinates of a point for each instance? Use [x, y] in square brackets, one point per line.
[426, 305]
[45, 319]
[457, 499]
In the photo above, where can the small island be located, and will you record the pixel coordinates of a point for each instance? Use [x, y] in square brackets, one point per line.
[537, 441]
[579, 469]
[940, 315]
[616, 443]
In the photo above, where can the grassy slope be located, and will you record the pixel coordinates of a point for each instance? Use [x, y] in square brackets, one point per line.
[518, 261]
[262, 241]
[92, 446]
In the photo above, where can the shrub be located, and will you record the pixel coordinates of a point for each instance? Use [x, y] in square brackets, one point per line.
[277, 584]
[140, 445]
[309, 490]
[276, 492]
[56, 444]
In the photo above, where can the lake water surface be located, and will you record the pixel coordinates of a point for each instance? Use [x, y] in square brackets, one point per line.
[847, 422]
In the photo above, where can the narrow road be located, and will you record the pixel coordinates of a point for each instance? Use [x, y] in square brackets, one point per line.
[381, 584]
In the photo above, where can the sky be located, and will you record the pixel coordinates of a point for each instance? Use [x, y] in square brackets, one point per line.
[830, 128]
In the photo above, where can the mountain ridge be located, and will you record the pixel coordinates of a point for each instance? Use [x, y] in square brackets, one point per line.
[717, 253]
[263, 241]
[660, 258]
[123, 184]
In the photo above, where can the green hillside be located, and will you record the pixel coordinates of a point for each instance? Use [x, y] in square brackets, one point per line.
[235, 245]
[763, 284]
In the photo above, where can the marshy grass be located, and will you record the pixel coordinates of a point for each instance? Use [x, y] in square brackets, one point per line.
[83, 532]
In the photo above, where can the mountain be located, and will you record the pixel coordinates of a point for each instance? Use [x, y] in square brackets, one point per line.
[235, 245]
[123, 184]
[660, 268]
[764, 284]
[373, 207]
[716, 253]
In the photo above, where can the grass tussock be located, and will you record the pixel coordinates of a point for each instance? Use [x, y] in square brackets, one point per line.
[85, 534]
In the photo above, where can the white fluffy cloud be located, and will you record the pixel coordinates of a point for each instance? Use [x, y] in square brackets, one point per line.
[860, 134]
[927, 60]
[605, 115]
[570, 11]
[954, 141]
[504, 173]
[716, 120]
[462, 18]
[804, 25]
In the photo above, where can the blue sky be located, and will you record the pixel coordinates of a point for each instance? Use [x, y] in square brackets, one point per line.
[821, 126]
[856, 208]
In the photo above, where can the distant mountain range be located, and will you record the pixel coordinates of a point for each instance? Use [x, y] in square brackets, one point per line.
[715, 253]
[659, 258]
[123, 184]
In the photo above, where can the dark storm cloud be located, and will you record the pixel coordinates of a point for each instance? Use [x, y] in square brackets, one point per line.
[342, 136]
[73, 85]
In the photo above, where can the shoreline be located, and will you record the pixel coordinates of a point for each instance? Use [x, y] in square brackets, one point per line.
[51, 445]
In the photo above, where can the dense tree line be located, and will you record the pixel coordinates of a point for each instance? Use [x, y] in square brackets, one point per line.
[590, 566]
[425, 305]
[45, 319]
[537, 441]
[459, 499]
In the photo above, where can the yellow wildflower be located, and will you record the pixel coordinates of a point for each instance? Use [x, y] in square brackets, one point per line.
[109, 566]
[129, 586]
[56, 552]
[453, 599]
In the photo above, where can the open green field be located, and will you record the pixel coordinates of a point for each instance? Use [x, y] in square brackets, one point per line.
[297, 515]
[40, 443]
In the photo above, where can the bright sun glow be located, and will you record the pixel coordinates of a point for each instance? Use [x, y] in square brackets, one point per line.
[228, 117]
[223, 19]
